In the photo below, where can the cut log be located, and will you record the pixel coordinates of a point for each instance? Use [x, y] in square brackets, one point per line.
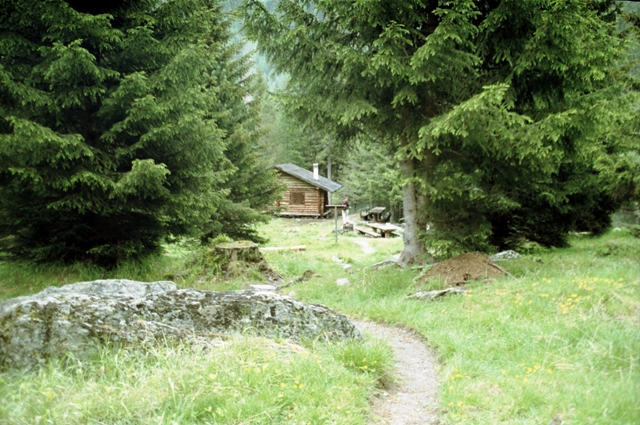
[240, 251]
[285, 248]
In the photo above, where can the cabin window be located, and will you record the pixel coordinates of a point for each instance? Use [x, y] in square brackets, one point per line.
[297, 198]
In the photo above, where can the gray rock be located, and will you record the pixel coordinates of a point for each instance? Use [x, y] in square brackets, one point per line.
[78, 318]
[505, 255]
[342, 281]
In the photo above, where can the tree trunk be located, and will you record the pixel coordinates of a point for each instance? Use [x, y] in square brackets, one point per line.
[414, 222]
[412, 246]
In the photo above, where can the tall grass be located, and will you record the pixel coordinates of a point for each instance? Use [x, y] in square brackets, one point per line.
[243, 381]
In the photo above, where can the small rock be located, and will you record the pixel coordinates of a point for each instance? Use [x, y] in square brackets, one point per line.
[342, 281]
[505, 255]
[347, 267]
[291, 294]
[336, 259]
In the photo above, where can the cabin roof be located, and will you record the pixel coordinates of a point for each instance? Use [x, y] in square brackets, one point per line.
[307, 176]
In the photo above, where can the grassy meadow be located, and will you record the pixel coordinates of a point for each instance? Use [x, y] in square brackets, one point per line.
[557, 344]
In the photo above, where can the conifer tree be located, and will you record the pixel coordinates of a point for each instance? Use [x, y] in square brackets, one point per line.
[496, 110]
[112, 125]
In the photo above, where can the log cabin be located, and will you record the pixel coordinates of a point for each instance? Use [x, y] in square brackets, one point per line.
[306, 193]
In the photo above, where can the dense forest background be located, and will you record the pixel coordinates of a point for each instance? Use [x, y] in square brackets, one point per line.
[368, 173]
[132, 123]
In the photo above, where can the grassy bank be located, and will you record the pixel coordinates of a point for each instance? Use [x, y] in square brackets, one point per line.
[557, 344]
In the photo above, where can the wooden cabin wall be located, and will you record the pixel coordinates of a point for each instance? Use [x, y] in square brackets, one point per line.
[314, 197]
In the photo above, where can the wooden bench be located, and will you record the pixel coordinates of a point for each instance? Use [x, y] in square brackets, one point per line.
[366, 231]
[384, 229]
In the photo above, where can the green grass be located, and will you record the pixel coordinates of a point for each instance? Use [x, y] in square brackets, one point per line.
[558, 344]
[245, 381]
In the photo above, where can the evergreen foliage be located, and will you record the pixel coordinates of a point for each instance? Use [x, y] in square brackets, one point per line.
[373, 178]
[119, 125]
[499, 112]
[290, 142]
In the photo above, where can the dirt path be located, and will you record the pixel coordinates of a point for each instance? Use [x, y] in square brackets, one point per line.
[365, 245]
[413, 398]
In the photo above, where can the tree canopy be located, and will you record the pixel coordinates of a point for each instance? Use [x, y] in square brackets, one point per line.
[497, 111]
[121, 125]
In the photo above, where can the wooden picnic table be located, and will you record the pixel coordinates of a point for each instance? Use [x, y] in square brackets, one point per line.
[385, 229]
[375, 214]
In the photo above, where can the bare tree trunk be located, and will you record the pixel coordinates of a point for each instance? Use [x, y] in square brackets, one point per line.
[414, 250]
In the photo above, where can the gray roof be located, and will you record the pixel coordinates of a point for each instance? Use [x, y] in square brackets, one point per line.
[307, 176]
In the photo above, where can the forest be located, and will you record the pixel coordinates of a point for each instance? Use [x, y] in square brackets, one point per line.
[126, 126]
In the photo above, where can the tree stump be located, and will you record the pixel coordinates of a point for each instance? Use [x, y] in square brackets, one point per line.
[240, 251]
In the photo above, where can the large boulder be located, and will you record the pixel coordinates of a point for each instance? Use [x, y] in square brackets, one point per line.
[79, 317]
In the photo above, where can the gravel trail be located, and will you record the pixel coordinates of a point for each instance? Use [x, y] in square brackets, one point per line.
[413, 398]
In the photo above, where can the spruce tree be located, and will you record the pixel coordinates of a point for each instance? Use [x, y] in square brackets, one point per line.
[497, 111]
[111, 127]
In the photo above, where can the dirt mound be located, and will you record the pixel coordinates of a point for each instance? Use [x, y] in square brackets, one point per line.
[457, 270]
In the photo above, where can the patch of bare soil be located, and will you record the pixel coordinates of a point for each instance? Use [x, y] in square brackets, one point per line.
[461, 268]
[413, 398]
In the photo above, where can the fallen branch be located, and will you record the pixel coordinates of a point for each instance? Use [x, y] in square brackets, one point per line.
[385, 264]
[285, 248]
[305, 276]
[431, 295]
[502, 270]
